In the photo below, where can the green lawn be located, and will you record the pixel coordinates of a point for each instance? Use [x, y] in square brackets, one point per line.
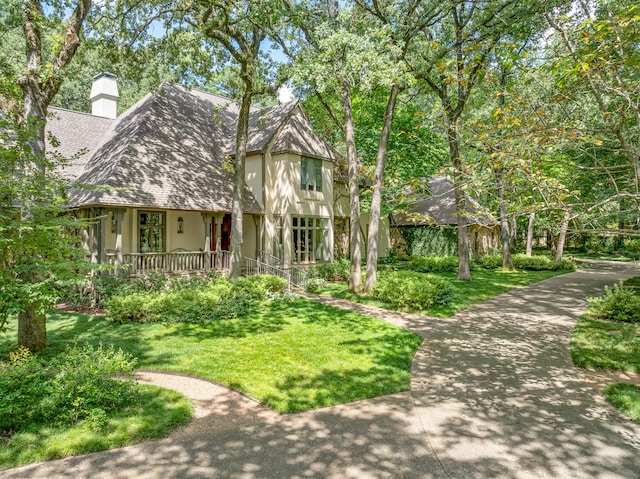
[615, 345]
[486, 284]
[602, 344]
[158, 412]
[291, 356]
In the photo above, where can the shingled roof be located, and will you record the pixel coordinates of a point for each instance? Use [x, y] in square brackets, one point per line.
[167, 150]
[439, 208]
[77, 135]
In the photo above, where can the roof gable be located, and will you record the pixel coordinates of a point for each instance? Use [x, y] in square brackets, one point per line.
[297, 136]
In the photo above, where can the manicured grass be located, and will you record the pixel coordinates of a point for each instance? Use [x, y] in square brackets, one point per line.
[292, 356]
[625, 397]
[159, 411]
[603, 344]
[485, 284]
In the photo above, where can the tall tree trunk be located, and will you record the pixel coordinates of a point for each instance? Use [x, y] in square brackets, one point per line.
[376, 200]
[39, 89]
[532, 220]
[32, 329]
[513, 230]
[464, 270]
[237, 208]
[507, 262]
[355, 245]
[562, 237]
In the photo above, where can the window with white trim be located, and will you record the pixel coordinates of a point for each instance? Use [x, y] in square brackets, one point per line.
[310, 174]
[310, 239]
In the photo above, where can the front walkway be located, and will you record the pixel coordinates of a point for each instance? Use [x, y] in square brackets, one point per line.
[494, 394]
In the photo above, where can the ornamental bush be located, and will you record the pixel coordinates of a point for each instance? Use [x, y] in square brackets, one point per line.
[530, 263]
[339, 270]
[196, 302]
[409, 290]
[619, 303]
[434, 264]
[81, 383]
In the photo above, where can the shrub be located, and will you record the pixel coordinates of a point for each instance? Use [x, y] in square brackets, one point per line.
[77, 385]
[413, 291]
[262, 286]
[617, 304]
[196, 301]
[434, 264]
[489, 261]
[339, 270]
[531, 263]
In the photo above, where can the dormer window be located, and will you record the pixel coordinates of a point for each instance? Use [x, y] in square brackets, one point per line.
[310, 174]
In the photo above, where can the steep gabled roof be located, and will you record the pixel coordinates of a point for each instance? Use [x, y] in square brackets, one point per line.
[77, 136]
[297, 136]
[167, 151]
[439, 208]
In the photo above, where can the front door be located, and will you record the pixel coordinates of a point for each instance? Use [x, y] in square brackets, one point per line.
[225, 234]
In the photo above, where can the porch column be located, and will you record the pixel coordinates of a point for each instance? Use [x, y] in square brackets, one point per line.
[206, 217]
[118, 215]
[102, 225]
[85, 233]
[93, 236]
[219, 241]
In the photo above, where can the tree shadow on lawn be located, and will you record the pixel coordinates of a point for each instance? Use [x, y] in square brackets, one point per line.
[64, 329]
[303, 392]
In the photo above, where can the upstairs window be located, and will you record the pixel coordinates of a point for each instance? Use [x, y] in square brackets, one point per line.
[310, 174]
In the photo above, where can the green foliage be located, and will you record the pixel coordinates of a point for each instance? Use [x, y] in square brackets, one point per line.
[434, 264]
[529, 263]
[39, 250]
[625, 397]
[619, 303]
[430, 241]
[339, 270]
[413, 291]
[78, 384]
[155, 413]
[194, 301]
[490, 261]
[261, 287]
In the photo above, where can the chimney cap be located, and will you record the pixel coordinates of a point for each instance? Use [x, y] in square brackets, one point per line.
[108, 75]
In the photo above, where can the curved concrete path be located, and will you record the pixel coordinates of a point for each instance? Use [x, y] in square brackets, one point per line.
[494, 394]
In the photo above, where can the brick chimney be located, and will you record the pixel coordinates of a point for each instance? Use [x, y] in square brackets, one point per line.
[104, 95]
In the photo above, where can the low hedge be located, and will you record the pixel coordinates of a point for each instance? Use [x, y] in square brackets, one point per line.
[409, 290]
[216, 299]
[434, 264]
[530, 263]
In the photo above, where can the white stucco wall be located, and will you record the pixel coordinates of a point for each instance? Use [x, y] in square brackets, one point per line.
[285, 198]
[253, 177]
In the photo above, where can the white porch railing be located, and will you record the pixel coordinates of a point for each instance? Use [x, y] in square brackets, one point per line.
[177, 261]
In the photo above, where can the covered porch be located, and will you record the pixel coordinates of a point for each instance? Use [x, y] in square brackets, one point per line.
[136, 241]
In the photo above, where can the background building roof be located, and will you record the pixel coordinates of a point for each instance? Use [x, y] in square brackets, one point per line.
[439, 208]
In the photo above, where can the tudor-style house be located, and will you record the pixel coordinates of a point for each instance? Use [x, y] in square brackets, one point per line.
[157, 181]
